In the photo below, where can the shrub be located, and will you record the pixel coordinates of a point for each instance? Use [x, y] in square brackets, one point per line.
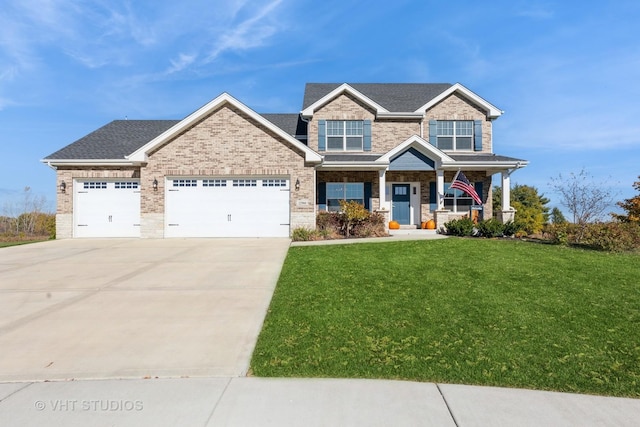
[374, 226]
[302, 234]
[510, 228]
[334, 225]
[490, 228]
[459, 227]
[607, 236]
[612, 236]
[353, 214]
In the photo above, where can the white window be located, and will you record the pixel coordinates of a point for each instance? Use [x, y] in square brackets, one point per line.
[274, 182]
[455, 135]
[185, 183]
[456, 200]
[348, 191]
[245, 182]
[126, 185]
[345, 135]
[94, 185]
[214, 182]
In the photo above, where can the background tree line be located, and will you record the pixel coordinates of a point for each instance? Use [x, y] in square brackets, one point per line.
[587, 202]
[27, 219]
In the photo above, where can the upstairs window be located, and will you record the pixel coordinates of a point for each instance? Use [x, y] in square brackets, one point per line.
[454, 135]
[345, 135]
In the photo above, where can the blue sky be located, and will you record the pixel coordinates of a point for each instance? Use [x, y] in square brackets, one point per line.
[565, 72]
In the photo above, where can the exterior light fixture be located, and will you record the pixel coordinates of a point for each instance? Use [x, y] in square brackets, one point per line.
[63, 187]
[297, 184]
[155, 184]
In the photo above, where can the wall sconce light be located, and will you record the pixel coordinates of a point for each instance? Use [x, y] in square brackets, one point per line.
[155, 184]
[63, 187]
[297, 184]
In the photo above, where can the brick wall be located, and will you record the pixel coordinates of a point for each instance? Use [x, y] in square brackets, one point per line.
[226, 143]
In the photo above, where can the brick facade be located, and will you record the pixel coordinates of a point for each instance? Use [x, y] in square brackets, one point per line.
[229, 142]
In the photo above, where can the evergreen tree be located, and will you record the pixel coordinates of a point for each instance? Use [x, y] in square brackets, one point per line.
[557, 217]
[531, 210]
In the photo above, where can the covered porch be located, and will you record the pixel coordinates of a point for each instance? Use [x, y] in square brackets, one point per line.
[410, 184]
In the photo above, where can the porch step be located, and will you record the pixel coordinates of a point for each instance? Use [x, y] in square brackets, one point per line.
[408, 227]
[411, 232]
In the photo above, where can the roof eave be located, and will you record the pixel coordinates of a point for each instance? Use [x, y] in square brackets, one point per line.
[341, 166]
[398, 115]
[90, 162]
[499, 165]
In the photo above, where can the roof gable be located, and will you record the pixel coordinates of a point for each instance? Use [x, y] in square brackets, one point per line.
[421, 146]
[387, 97]
[491, 110]
[140, 155]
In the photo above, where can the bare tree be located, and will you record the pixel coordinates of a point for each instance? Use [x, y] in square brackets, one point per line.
[22, 216]
[586, 199]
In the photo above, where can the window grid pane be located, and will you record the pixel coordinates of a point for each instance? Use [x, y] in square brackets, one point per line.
[185, 183]
[214, 182]
[335, 127]
[95, 185]
[126, 185]
[354, 127]
[274, 182]
[245, 183]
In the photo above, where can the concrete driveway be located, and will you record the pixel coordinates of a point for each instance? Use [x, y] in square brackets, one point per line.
[134, 308]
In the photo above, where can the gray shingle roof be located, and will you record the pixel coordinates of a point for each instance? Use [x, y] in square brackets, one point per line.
[292, 124]
[115, 140]
[395, 97]
[483, 157]
[351, 158]
[120, 138]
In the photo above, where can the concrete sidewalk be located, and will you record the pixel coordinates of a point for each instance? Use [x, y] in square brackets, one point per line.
[245, 401]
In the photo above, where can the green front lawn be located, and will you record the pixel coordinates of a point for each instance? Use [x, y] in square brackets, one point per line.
[472, 311]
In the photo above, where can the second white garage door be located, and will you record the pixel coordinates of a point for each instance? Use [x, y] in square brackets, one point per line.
[221, 207]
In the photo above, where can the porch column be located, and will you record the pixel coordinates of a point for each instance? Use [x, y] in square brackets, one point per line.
[508, 213]
[382, 182]
[440, 189]
[506, 191]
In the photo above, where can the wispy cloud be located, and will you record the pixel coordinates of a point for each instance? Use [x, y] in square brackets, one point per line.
[183, 61]
[250, 33]
[535, 10]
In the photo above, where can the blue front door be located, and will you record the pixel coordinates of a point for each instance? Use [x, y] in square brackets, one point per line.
[400, 199]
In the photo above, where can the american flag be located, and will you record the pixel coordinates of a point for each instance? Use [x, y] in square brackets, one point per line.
[462, 183]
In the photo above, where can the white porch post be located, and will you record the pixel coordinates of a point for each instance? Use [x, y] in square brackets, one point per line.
[506, 191]
[507, 213]
[382, 181]
[440, 189]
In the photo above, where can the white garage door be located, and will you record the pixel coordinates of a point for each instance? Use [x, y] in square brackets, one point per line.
[107, 208]
[221, 207]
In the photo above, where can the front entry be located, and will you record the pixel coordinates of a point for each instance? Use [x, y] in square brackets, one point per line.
[401, 203]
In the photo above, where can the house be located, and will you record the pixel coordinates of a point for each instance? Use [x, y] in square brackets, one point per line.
[227, 171]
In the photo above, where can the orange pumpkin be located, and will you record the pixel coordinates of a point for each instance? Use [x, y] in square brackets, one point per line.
[394, 225]
[431, 225]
